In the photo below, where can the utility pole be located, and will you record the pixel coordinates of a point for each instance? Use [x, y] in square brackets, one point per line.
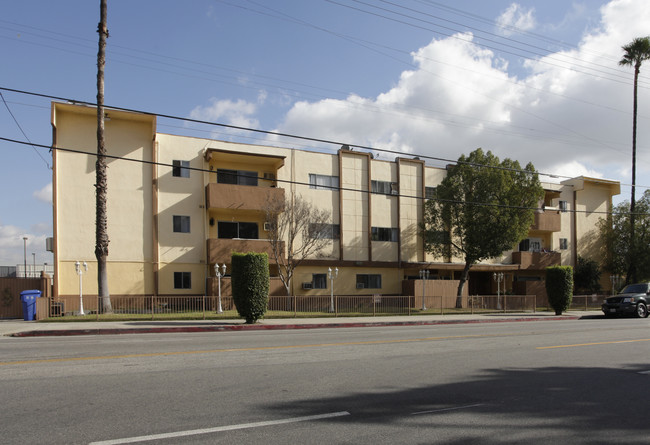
[101, 185]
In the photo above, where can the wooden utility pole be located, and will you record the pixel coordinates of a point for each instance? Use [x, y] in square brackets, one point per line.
[101, 185]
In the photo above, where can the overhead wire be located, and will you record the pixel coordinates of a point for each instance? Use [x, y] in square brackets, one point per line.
[333, 188]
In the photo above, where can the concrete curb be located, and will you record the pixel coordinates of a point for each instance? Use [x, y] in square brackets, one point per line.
[269, 327]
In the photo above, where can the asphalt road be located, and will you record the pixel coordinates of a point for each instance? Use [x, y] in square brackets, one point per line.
[582, 381]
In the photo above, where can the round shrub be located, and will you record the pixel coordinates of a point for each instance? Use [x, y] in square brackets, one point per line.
[250, 284]
[559, 287]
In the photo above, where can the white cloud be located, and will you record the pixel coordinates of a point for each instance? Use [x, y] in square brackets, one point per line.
[515, 18]
[239, 113]
[44, 194]
[564, 114]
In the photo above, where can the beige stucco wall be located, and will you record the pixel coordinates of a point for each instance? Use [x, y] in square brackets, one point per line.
[354, 205]
[410, 212]
[129, 205]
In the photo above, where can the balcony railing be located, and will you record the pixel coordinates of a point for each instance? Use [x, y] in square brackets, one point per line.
[536, 260]
[240, 197]
[220, 250]
[548, 221]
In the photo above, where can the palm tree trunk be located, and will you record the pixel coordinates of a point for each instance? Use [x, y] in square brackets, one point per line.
[631, 276]
[101, 226]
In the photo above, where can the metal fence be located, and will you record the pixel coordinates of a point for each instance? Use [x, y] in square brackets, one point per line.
[207, 307]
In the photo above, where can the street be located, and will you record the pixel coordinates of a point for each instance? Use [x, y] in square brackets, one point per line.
[579, 381]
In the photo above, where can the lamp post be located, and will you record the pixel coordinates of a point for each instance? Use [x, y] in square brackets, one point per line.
[615, 279]
[424, 274]
[498, 277]
[219, 272]
[332, 276]
[80, 272]
[25, 256]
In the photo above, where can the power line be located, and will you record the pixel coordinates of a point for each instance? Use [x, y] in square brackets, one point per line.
[267, 132]
[23, 131]
[333, 188]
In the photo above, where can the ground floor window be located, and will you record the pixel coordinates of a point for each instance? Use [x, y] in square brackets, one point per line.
[182, 280]
[368, 281]
[319, 281]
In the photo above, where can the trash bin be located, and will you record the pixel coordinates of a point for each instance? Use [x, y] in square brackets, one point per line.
[28, 299]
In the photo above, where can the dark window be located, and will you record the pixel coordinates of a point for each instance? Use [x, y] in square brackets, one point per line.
[440, 237]
[245, 230]
[430, 192]
[381, 187]
[319, 281]
[564, 206]
[368, 281]
[240, 177]
[385, 234]
[181, 169]
[181, 224]
[182, 280]
[325, 231]
[524, 245]
[564, 244]
[323, 182]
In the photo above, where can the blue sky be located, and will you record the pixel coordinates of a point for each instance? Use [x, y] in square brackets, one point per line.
[532, 80]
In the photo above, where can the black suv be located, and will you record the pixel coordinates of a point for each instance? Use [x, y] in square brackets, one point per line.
[633, 299]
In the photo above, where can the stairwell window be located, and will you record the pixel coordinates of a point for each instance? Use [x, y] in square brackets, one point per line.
[564, 243]
[182, 280]
[181, 169]
[323, 182]
[181, 224]
[385, 234]
[564, 206]
[383, 187]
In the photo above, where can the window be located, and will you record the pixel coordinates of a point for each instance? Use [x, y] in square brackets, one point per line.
[383, 187]
[181, 224]
[368, 281]
[322, 182]
[325, 231]
[384, 234]
[181, 169]
[430, 192]
[440, 237]
[319, 281]
[564, 244]
[230, 230]
[239, 177]
[564, 206]
[182, 280]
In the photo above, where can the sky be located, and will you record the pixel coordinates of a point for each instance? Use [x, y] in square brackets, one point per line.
[535, 81]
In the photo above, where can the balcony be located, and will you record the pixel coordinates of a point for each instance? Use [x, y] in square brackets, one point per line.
[536, 260]
[241, 197]
[548, 221]
[220, 250]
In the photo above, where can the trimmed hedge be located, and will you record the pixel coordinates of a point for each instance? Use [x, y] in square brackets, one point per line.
[559, 287]
[250, 284]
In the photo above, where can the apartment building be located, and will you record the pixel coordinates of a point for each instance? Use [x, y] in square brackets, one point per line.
[180, 205]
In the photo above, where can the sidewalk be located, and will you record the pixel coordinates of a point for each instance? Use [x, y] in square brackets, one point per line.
[19, 328]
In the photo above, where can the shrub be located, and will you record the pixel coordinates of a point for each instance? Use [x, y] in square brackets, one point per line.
[250, 284]
[559, 287]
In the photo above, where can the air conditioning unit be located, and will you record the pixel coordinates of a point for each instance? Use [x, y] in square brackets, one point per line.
[308, 285]
[360, 286]
[267, 226]
[269, 176]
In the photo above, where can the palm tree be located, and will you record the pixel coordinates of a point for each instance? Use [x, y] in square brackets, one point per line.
[101, 226]
[635, 53]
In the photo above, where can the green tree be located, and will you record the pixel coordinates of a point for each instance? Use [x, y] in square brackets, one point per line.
[250, 284]
[483, 208]
[559, 287]
[586, 276]
[636, 52]
[619, 251]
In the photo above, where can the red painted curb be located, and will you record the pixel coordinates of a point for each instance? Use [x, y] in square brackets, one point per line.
[262, 327]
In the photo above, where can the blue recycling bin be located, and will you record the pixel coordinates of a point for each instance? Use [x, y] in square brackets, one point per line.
[28, 299]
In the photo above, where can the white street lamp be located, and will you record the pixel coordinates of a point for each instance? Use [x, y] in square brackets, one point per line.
[332, 276]
[498, 277]
[219, 272]
[424, 274]
[80, 272]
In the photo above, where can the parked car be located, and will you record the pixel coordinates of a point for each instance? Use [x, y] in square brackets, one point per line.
[633, 299]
